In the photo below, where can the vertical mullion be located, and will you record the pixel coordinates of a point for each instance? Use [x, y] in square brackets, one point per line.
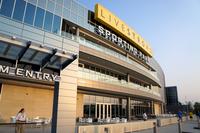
[13, 9]
[24, 12]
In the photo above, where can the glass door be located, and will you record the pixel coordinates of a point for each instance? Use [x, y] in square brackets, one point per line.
[103, 110]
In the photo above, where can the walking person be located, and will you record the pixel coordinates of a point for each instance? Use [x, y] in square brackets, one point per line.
[20, 119]
[180, 114]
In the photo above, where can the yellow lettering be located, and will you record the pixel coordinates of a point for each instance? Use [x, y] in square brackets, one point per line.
[123, 27]
[102, 14]
[105, 17]
[110, 18]
[116, 22]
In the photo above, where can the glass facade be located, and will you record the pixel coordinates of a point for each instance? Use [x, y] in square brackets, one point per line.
[7, 7]
[48, 21]
[39, 18]
[19, 10]
[30, 13]
[102, 107]
[35, 13]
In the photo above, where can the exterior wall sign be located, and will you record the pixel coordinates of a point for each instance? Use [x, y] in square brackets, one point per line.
[12, 71]
[107, 18]
[120, 42]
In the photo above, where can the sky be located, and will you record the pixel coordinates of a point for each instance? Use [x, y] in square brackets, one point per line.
[172, 27]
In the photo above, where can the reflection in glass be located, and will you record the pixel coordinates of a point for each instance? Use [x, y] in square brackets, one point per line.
[33, 1]
[97, 110]
[86, 111]
[30, 12]
[51, 6]
[39, 17]
[19, 10]
[56, 24]
[101, 111]
[92, 109]
[42, 3]
[48, 21]
[7, 7]
[67, 4]
[58, 10]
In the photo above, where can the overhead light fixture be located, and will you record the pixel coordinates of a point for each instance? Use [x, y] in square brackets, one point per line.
[41, 45]
[64, 52]
[13, 37]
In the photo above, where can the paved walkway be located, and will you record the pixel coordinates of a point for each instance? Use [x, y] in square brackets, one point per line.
[187, 127]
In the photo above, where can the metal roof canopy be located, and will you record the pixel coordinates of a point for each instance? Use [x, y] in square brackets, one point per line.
[26, 54]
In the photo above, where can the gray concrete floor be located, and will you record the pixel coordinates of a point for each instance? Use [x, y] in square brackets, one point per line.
[187, 127]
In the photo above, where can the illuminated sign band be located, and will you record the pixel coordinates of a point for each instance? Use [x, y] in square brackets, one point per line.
[105, 17]
[120, 42]
[12, 71]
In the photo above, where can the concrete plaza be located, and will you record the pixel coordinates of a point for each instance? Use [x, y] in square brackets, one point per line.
[187, 127]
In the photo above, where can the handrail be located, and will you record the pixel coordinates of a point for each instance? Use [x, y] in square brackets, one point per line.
[97, 76]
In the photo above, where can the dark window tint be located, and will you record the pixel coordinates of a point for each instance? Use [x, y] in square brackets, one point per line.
[39, 17]
[48, 21]
[56, 24]
[7, 7]
[19, 10]
[29, 16]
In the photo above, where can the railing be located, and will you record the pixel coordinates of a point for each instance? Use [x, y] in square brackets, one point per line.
[97, 76]
[105, 50]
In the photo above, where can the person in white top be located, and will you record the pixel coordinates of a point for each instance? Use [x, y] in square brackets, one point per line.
[144, 116]
[20, 118]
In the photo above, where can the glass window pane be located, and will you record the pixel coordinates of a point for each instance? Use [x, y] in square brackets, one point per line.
[60, 1]
[80, 11]
[73, 17]
[67, 4]
[30, 12]
[19, 10]
[58, 10]
[7, 7]
[39, 17]
[33, 1]
[56, 24]
[66, 13]
[51, 6]
[48, 21]
[74, 7]
[42, 3]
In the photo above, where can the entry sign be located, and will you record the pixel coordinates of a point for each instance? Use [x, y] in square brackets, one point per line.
[12, 71]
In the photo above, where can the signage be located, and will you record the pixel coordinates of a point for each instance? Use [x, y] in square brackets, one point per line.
[19, 72]
[105, 17]
[120, 42]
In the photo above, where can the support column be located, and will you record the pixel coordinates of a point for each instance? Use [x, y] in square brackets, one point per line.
[55, 108]
[152, 103]
[128, 109]
[77, 34]
[128, 77]
[66, 120]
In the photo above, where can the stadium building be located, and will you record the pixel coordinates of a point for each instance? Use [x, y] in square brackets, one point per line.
[61, 61]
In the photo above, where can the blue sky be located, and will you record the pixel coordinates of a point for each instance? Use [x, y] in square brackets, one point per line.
[172, 27]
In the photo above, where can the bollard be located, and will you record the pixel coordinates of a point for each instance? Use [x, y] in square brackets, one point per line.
[179, 126]
[155, 129]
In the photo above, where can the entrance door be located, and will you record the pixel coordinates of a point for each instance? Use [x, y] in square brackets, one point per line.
[103, 110]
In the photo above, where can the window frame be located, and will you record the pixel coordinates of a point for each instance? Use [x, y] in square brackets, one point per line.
[17, 15]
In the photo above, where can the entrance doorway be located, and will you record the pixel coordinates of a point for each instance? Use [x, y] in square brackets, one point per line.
[103, 110]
